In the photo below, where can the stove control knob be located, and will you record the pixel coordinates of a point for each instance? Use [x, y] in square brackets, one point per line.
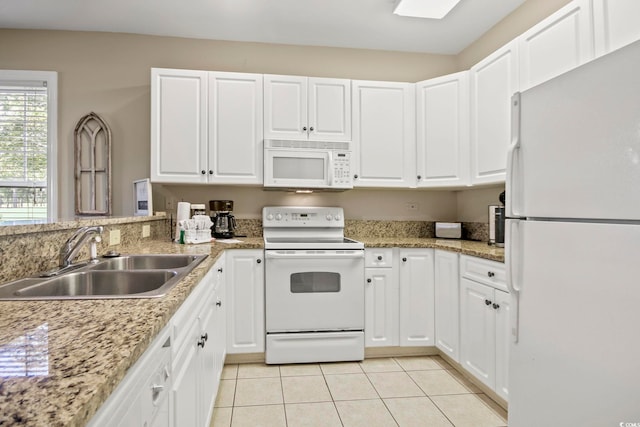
[278, 217]
[329, 217]
[270, 217]
[337, 217]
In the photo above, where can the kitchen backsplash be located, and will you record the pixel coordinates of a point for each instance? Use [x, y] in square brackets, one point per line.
[27, 250]
[30, 249]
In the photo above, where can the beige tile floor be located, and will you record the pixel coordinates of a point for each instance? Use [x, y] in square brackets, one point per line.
[401, 391]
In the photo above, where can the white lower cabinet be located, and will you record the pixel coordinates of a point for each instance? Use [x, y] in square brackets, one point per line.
[197, 338]
[417, 319]
[245, 296]
[484, 319]
[447, 303]
[399, 297]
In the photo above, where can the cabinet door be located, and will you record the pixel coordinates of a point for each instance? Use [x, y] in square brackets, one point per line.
[616, 24]
[417, 318]
[285, 107]
[558, 44]
[381, 308]
[477, 331]
[329, 109]
[245, 298]
[178, 126]
[383, 134]
[502, 305]
[493, 81]
[443, 131]
[208, 383]
[184, 388]
[447, 303]
[235, 128]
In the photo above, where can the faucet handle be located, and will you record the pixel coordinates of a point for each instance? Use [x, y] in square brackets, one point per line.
[93, 248]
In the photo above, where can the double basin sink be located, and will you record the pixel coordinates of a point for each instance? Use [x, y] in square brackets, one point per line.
[129, 276]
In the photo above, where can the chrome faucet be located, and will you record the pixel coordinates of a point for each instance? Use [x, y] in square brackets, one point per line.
[72, 246]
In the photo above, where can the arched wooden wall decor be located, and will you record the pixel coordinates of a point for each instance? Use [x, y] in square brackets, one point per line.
[92, 138]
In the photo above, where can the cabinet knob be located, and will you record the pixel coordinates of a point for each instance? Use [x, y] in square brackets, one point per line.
[311, 129]
[491, 273]
[258, 260]
[487, 302]
[210, 172]
[355, 176]
[203, 172]
[220, 270]
[404, 259]
[379, 257]
[368, 280]
[419, 177]
[205, 337]
[201, 343]
[219, 303]
[155, 389]
[496, 306]
[304, 129]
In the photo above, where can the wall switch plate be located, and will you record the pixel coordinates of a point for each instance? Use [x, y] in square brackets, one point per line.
[146, 230]
[114, 237]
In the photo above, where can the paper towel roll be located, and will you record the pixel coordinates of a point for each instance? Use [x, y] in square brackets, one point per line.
[184, 210]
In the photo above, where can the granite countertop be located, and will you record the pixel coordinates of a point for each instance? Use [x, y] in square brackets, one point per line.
[60, 360]
[466, 247]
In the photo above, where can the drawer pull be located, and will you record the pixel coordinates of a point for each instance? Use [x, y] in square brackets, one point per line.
[404, 259]
[496, 306]
[487, 302]
[368, 280]
[491, 273]
[379, 257]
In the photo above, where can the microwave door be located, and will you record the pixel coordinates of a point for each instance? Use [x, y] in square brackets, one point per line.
[285, 168]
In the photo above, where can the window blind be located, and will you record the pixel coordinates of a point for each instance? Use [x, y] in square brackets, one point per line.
[23, 150]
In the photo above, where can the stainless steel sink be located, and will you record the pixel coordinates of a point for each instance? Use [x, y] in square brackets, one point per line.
[145, 262]
[131, 276]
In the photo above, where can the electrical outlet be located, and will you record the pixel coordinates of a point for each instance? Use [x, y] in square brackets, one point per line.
[114, 237]
[146, 230]
[412, 206]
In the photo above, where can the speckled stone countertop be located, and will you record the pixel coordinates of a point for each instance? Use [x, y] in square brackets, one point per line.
[67, 357]
[466, 247]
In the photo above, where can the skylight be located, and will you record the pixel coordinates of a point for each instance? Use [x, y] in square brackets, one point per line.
[433, 9]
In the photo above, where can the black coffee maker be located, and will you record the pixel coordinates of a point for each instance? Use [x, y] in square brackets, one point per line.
[224, 223]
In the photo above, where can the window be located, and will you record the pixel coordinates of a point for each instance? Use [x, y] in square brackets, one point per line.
[28, 119]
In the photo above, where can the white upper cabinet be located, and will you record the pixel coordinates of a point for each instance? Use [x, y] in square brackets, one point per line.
[442, 111]
[383, 134]
[558, 44]
[307, 108]
[178, 125]
[206, 127]
[616, 24]
[493, 81]
[235, 128]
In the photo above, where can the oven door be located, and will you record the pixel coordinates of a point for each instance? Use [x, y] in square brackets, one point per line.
[314, 290]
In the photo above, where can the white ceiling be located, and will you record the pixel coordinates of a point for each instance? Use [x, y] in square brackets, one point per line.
[367, 24]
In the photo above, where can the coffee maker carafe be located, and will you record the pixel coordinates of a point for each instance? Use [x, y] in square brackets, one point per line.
[224, 223]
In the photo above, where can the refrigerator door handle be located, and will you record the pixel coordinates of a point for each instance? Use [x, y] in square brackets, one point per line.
[513, 189]
[513, 257]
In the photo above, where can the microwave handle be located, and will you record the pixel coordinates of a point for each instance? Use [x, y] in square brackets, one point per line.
[330, 173]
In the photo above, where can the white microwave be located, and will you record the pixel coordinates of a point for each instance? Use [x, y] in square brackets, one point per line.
[307, 164]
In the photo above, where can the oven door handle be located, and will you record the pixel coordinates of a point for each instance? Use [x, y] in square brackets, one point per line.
[314, 255]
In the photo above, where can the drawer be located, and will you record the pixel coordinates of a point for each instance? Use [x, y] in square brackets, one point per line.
[378, 257]
[485, 271]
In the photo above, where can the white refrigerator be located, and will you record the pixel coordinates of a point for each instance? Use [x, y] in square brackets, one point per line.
[573, 247]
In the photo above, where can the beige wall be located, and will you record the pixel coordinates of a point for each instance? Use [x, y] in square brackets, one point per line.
[108, 73]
